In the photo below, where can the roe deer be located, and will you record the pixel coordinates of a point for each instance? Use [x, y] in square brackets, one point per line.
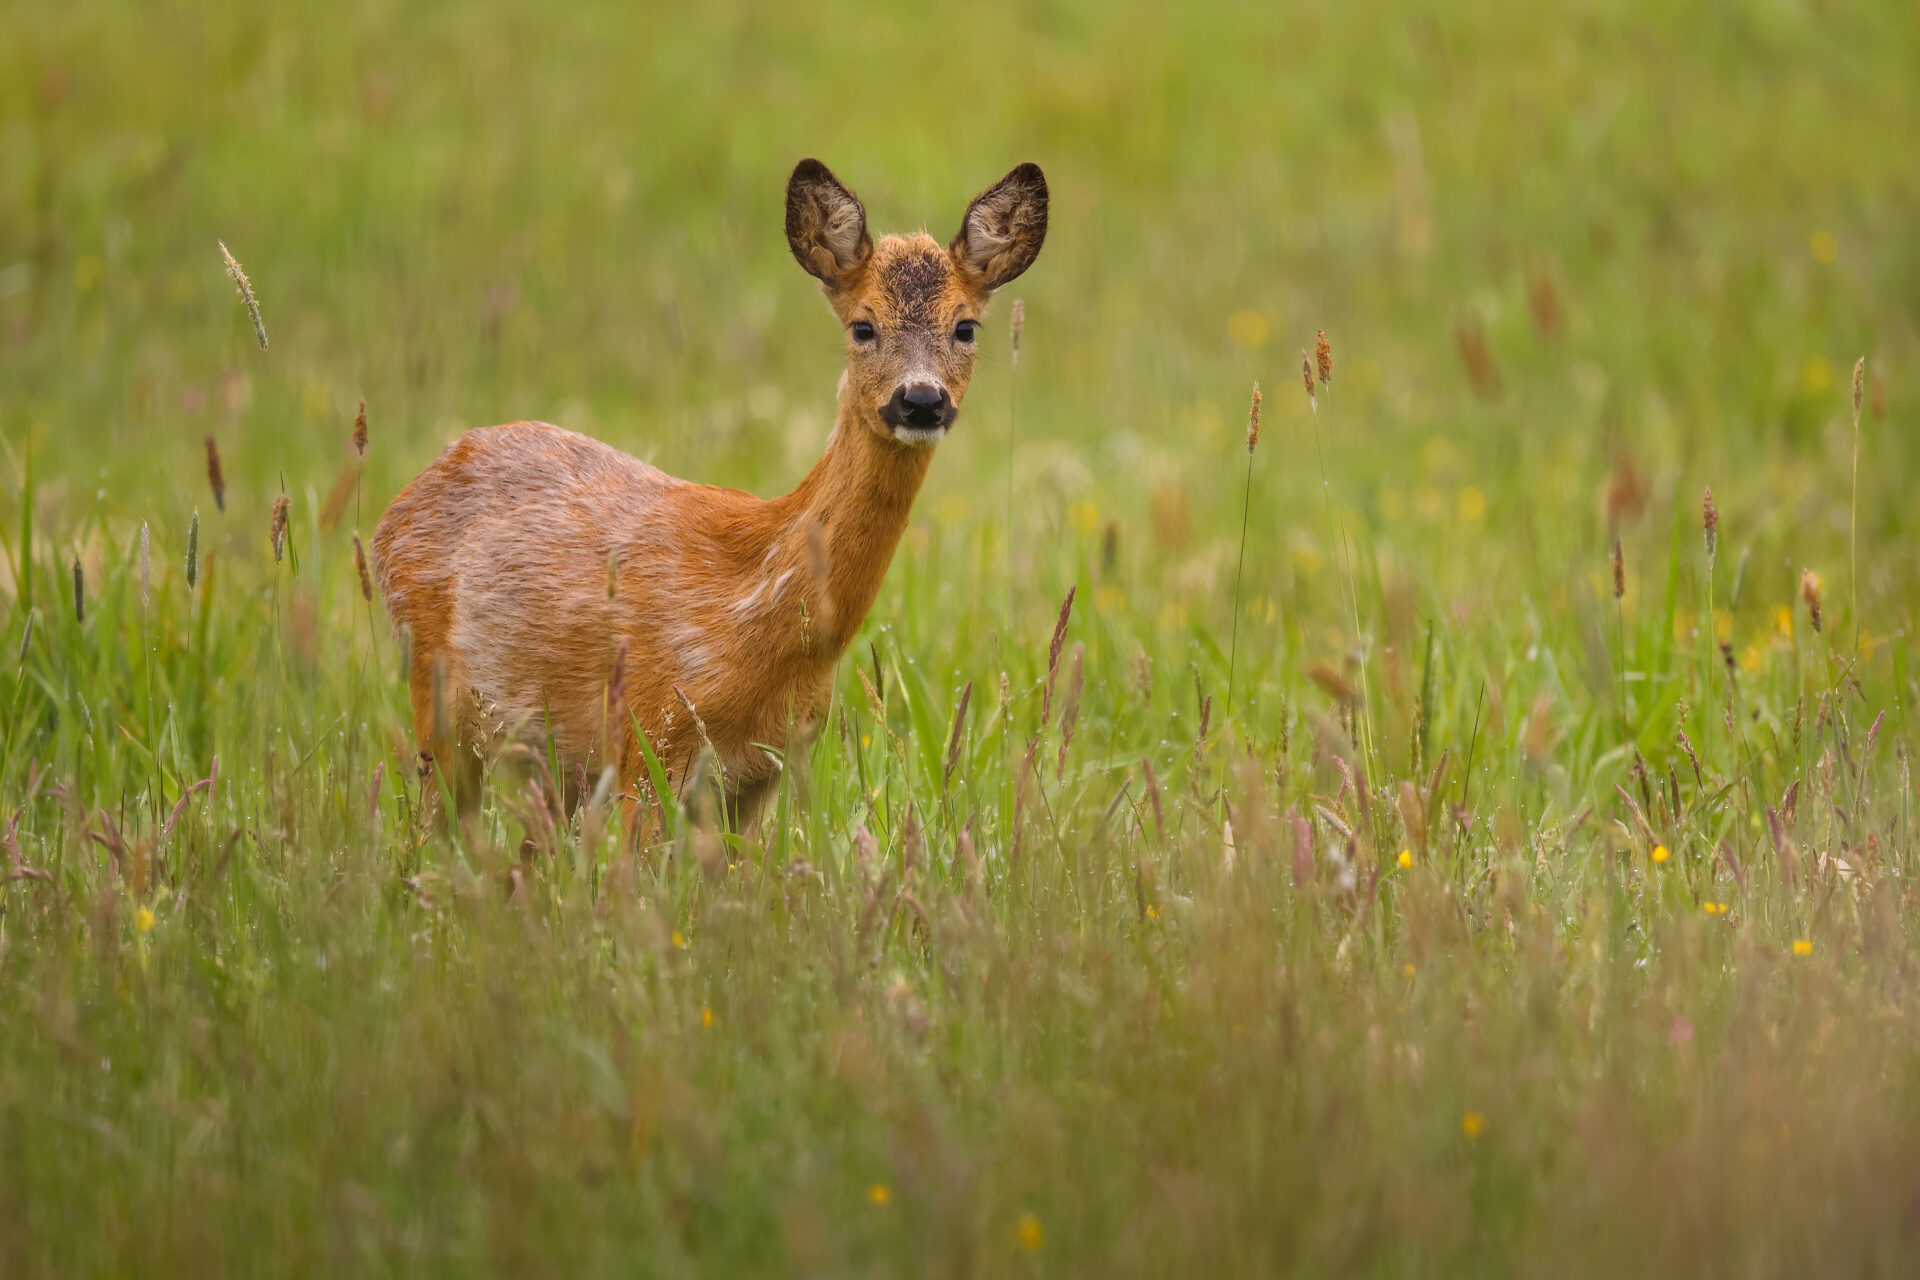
[552, 584]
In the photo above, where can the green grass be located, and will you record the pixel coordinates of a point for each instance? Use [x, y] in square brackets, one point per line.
[337, 1045]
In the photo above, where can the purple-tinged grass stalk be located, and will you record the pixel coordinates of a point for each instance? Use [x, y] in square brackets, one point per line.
[1246, 509]
[1016, 323]
[1853, 507]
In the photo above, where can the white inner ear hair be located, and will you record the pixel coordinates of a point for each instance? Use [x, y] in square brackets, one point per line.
[841, 228]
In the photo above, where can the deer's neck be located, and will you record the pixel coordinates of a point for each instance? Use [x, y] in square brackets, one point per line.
[851, 510]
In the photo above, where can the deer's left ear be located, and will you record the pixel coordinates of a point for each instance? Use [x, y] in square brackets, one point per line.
[1004, 229]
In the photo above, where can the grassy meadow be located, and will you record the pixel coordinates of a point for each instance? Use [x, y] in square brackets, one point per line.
[1421, 849]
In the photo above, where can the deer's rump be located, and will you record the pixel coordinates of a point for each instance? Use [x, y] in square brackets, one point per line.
[495, 561]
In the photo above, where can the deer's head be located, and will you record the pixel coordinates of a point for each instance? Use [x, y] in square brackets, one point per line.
[911, 307]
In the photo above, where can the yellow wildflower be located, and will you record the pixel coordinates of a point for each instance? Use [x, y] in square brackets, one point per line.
[1406, 857]
[1029, 1233]
[1660, 853]
[679, 941]
[1247, 328]
[143, 919]
[1816, 375]
[706, 1015]
[878, 1195]
[1473, 1124]
[1802, 947]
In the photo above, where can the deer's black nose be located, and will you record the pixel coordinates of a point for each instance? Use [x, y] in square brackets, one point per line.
[923, 405]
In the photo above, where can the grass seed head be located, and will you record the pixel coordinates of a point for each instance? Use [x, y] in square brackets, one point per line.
[244, 287]
[146, 566]
[1710, 522]
[959, 729]
[1619, 570]
[1253, 419]
[193, 550]
[360, 566]
[1015, 324]
[1323, 356]
[1053, 656]
[1859, 388]
[79, 592]
[216, 476]
[360, 431]
[1306, 377]
[1810, 592]
[277, 531]
[1482, 372]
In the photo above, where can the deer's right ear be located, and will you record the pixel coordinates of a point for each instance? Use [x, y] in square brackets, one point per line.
[826, 227]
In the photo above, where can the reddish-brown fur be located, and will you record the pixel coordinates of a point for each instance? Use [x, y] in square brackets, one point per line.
[732, 609]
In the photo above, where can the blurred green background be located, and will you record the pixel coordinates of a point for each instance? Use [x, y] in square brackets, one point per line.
[574, 213]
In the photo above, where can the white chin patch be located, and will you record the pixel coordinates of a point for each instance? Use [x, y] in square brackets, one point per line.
[919, 435]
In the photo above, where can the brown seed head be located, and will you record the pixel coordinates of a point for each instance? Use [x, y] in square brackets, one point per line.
[1710, 522]
[954, 739]
[277, 531]
[360, 564]
[1544, 301]
[1810, 592]
[1482, 372]
[360, 431]
[1323, 356]
[1015, 324]
[216, 478]
[1859, 387]
[1253, 419]
[79, 592]
[1053, 656]
[1306, 378]
[1619, 570]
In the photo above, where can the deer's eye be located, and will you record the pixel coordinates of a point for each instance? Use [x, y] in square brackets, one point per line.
[862, 331]
[965, 331]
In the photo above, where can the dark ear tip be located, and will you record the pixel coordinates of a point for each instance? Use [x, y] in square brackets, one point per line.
[1029, 175]
[810, 171]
